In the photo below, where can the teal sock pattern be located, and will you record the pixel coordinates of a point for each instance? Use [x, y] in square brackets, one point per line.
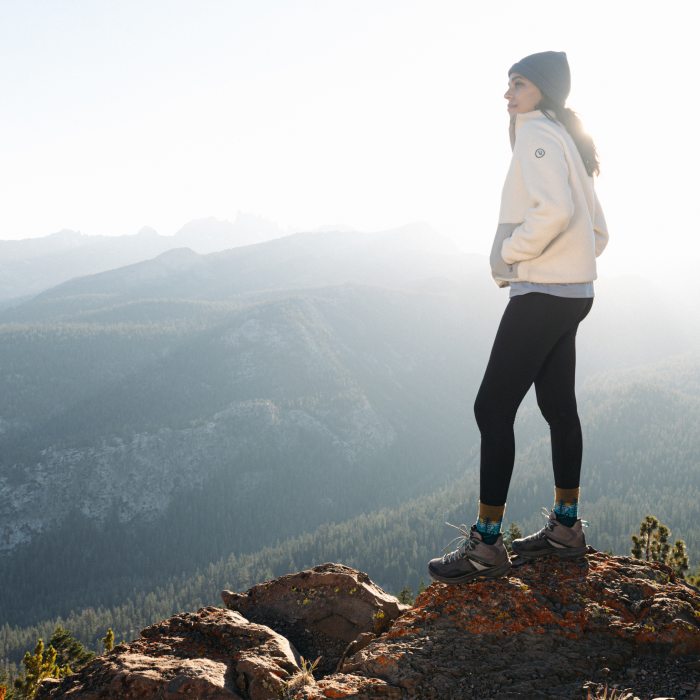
[566, 513]
[488, 529]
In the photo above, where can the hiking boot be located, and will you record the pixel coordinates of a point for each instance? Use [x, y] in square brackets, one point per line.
[554, 538]
[473, 559]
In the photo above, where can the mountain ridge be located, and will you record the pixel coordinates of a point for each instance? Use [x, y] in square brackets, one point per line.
[31, 266]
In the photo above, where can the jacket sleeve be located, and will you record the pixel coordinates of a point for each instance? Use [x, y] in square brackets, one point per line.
[600, 228]
[545, 172]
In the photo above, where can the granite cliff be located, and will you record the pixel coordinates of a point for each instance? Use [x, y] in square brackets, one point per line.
[548, 630]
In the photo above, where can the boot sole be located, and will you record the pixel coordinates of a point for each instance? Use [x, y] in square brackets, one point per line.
[495, 572]
[570, 553]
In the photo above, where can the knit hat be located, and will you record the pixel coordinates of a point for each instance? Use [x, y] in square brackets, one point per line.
[548, 70]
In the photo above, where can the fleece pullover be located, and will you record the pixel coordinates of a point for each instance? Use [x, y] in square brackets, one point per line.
[551, 225]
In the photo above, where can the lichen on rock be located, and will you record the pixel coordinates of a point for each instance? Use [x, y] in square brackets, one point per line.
[551, 629]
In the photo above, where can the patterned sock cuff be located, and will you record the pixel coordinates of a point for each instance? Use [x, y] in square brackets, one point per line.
[566, 503]
[489, 527]
[566, 510]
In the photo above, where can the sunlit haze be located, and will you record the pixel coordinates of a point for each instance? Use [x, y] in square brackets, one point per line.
[253, 353]
[370, 115]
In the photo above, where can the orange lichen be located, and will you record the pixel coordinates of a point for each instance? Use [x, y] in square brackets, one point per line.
[398, 631]
[347, 686]
[600, 596]
[558, 597]
[384, 659]
[339, 692]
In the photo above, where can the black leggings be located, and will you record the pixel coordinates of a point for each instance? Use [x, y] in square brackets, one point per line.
[535, 342]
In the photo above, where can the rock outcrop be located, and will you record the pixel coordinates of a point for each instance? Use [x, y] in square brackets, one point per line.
[213, 653]
[321, 610]
[548, 630]
[541, 632]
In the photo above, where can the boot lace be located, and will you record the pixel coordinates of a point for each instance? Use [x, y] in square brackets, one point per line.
[465, 543]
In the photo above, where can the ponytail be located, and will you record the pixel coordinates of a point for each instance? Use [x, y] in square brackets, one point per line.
[573, 125]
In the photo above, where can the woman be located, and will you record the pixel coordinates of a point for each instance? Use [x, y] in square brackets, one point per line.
[551, 229]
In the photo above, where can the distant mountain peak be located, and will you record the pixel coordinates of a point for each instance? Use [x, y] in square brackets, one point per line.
[67, 234]
[183, 253]
[204, 224]
[147, 231]
[209, 234]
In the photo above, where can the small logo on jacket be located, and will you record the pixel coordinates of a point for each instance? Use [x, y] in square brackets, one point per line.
[539, 152]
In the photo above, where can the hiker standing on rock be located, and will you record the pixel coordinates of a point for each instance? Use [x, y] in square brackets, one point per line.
[551, 229]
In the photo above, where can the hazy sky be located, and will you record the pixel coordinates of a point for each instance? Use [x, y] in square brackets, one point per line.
[371, 114]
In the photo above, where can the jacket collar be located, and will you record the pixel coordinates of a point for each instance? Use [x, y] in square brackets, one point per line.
[534, 115]
[528, 116]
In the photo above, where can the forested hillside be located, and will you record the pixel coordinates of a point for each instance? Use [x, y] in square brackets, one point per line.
[159, 417]
[622, 482]
[267, 422]
[140, 435]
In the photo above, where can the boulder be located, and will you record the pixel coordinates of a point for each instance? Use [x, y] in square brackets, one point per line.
[213, 654]
[320, 610]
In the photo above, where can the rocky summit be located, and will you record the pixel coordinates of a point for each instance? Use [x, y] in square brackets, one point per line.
[550, 629]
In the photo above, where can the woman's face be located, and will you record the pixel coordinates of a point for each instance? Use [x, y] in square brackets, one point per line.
[522, 95]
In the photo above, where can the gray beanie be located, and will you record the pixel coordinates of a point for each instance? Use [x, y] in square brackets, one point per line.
[548, 70]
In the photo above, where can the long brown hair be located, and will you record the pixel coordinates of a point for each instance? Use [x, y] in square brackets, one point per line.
[573, 125]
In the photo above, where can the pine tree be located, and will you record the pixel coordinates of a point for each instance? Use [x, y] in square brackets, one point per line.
[37, 666]
[678, 559]
[108, 640]
[512, 533]
[652, 545]
[651, 539]
[405, 596]
[69, 651]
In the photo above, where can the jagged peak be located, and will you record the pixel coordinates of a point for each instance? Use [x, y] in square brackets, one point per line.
[147, 232]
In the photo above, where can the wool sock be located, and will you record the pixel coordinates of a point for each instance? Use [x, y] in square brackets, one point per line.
[566, 505]
[488, 524]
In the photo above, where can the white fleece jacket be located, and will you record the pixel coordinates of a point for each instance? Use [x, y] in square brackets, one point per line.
[551, 225]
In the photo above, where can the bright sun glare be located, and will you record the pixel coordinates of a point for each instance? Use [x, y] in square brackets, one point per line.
[370, 115]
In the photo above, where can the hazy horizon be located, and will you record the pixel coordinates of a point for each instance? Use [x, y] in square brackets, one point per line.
[671, 287]
[312, 114]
